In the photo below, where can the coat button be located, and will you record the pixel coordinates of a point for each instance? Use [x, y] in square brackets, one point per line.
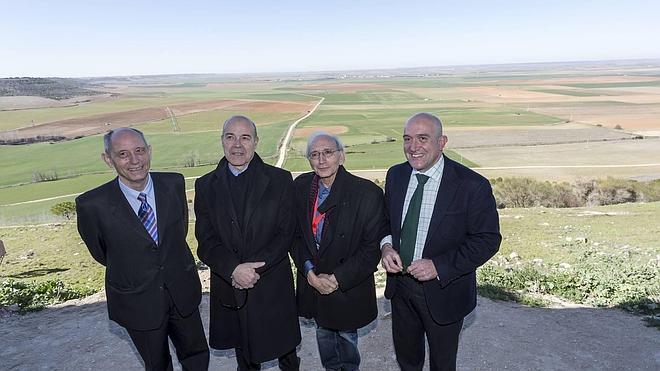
[341, 261]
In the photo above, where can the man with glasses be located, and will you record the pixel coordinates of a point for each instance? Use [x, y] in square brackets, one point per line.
[136, 226]
[341, 220]
[244, 229]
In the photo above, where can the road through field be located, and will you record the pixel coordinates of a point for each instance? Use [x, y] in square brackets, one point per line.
[281, 157]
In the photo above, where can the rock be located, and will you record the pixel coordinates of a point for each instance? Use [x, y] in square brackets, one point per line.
[581, 239]
[537, 261]
[569, 239]
[514, 255]
[28, 255]
[544, 224]
[564, 266]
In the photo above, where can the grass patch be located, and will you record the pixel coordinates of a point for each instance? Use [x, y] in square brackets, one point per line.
[33, 296]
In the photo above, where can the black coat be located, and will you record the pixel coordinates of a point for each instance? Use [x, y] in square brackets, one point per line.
[355, 222]
[464, 233]
[138, 270]
[267, 325]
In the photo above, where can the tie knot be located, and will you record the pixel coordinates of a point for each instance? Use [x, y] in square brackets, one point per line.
[421, 179]
[142, 197]
[324, 192]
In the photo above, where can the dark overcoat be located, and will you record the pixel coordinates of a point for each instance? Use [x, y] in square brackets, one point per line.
[355, 222]
[137, 270]
[266, 325]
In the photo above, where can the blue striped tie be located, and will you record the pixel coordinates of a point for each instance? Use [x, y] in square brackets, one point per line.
[147, 217]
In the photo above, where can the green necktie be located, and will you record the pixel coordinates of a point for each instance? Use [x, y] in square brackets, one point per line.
[409, 228]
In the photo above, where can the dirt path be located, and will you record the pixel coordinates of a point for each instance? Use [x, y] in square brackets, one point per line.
[498, 336]
[284, 145]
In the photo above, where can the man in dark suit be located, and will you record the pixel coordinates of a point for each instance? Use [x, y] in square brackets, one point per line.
[245, 228]
[136, 226]
[341, 220]
[444, 225]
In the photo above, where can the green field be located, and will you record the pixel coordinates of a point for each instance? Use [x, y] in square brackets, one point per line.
[369, 112]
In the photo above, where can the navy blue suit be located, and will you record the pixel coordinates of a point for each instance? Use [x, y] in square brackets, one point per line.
[463, 234]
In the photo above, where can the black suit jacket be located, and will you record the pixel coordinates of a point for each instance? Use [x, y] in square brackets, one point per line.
[267, 325]
[463, 234]
[137, 270]
[355, 222]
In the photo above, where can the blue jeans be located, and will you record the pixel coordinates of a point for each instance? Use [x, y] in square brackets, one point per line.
[338, 349]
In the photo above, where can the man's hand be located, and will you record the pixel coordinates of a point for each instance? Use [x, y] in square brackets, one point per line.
[244, 275]
[423, 270]
[390, 259]
[323, 283]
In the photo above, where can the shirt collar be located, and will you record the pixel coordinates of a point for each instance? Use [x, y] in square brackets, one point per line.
[148, 189]
[435, 172]
[235, 171]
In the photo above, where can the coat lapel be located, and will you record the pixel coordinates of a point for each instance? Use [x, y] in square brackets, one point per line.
[448, 187]
[256, 191]
[222, 198]
[399, 189]
[122, 211]
[161, 192]
[309, 208]
[329, 206]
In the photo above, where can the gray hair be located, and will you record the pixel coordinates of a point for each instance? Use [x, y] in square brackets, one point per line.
[319, 134]
[107, 138]
[425, 116]
[237, 118]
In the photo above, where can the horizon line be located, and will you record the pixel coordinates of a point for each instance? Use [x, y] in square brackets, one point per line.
[374, 69]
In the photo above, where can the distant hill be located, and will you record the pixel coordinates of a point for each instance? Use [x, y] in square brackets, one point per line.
[53, 88]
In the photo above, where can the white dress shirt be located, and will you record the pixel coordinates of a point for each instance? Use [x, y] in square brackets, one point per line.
[132, 196]
[428, 203]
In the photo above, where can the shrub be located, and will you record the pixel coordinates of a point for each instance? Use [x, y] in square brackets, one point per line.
[527, 192]
[595, 279]
[33, 296]
[46, 176]
[65, 209]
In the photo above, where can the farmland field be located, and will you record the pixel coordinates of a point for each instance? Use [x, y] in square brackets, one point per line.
[554, 122]
[530, 120]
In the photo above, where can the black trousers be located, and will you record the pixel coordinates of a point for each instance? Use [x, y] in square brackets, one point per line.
[287, 362]
[411, 320]
[187, 335]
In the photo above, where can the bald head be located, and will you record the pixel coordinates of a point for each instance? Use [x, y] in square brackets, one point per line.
[107, 138]
[239, 118]
[426, 118]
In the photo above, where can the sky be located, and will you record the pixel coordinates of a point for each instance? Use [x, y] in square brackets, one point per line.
[87, 38]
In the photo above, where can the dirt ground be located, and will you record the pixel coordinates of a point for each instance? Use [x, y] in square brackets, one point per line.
[305, 132]
[496, 336]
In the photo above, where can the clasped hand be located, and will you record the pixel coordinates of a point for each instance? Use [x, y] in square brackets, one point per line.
[422, 269]
[245, 276]
[323, 283]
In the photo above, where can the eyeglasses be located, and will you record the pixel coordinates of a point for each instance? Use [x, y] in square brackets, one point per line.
[326, 154]
[236, 307]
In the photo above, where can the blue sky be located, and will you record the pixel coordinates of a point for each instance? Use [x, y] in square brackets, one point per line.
[102, 38]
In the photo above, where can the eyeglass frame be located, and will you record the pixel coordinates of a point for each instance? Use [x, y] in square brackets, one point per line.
[327, 153]
[236, 307]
